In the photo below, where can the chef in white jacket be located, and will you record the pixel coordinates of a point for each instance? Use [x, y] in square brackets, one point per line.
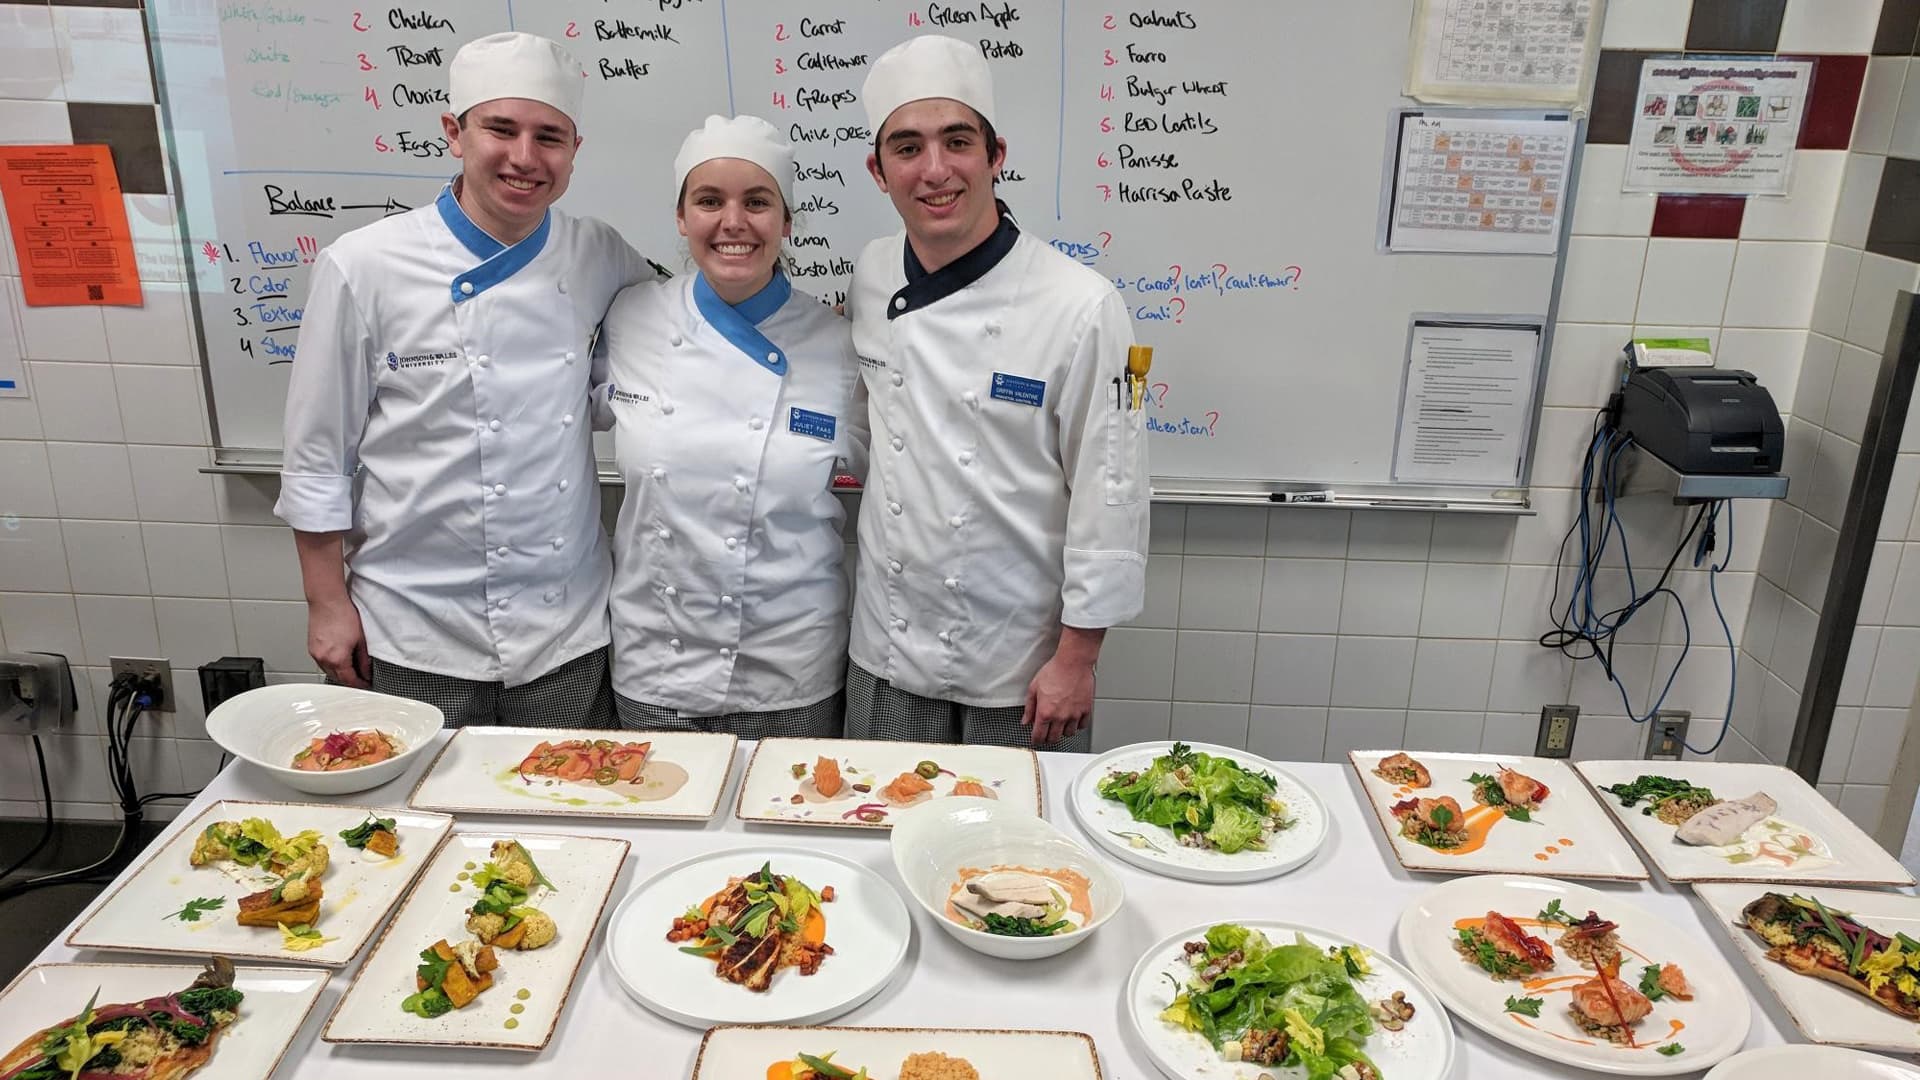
[734, 399]
[1004, 523]
[438, 466]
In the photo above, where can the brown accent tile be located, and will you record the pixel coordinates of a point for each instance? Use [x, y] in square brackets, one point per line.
[1735, 25]
[96, 3]
[1699, 217]
[1616, 85]
[1895, 230]
[133, 133]
[1833, 101]
[1899, 28]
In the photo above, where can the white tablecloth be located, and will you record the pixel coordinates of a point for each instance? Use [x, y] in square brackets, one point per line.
[1353, 887]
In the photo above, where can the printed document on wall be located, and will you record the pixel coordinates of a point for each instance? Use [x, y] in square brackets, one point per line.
[1521, 51]
[69, 225]
[1467, 405]
[1722, 127]
[1481, 184]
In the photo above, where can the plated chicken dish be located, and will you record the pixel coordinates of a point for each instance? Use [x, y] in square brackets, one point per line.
[756, 926]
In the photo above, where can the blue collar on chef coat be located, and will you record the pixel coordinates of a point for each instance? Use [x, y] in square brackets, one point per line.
[498, 261]
[924, 288]
[739, 323]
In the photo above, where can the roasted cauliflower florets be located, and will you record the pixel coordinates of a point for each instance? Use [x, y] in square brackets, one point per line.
[540, 930]
[215, 843]
[486, 927]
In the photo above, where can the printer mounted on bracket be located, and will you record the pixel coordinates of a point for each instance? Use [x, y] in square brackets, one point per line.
[1702, 421]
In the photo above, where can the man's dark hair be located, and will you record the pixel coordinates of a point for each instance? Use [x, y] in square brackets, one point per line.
[991, 137]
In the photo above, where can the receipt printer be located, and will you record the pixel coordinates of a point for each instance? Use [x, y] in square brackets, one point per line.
[1703, 420]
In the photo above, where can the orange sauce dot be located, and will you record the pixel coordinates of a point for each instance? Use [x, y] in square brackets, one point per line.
[1564, 842]
[1541, 856]
[1551, 850]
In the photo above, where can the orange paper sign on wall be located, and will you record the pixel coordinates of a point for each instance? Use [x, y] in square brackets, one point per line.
[69, 225]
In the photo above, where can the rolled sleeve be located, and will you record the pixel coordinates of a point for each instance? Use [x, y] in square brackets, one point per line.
[328, 397]
[1104, 454]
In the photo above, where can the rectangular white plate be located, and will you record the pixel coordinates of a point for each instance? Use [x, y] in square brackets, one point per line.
[582, 869]
[767, 793]
[357, 890]
[733, 1053]
[477, 771]
[1851, 857]
[1824, 1012]
[1569, 836]
[275, 1007]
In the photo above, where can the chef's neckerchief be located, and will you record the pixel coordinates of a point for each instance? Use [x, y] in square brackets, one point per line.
[739, 323]
[923, 288]
[498, 262]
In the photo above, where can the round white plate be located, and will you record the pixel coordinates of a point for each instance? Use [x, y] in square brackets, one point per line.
[1715, 1021]
[1423, 1050]
[1799, 1062]
[1103, 819]
[867, 925]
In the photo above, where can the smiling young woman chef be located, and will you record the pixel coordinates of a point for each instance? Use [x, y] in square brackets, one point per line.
[437, 436]
[733, 398]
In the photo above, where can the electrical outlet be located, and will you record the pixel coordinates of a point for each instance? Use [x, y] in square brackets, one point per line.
[1556, 731]
[1667, 735]
[143, 668]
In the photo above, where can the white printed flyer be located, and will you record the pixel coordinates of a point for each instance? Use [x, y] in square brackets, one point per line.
[1717, 126]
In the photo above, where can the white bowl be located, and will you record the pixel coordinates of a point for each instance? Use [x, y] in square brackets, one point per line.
[932, 842]
[266, 727]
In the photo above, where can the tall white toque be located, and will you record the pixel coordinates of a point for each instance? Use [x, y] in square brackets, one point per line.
[514, 65]
[748, 138]
[930, 66]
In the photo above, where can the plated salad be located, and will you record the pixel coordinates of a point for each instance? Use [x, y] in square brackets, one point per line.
[1208, 801]
[1283, 1005]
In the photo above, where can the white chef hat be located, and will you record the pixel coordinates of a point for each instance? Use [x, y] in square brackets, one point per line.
[748, 138]
[929, 66]
[514, 65]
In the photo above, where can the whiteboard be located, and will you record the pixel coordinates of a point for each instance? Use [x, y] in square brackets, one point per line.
[1220, 163]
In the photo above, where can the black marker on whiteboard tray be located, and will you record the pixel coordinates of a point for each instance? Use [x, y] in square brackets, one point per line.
[1302, 496]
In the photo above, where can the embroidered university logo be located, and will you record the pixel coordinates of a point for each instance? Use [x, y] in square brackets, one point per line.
[625, 397]
[396, 362]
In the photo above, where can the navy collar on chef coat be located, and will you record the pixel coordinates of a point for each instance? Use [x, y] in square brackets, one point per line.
[739, 323]
[498, 261]
[924, 288]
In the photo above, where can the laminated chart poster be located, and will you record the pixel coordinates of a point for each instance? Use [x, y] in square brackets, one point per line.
[1717, 126]
[1535, 52]
[1480, 184]
[69, 225]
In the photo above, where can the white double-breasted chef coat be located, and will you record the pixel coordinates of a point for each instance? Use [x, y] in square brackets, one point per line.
[729, 424]
[1007, 495]
[438, 412]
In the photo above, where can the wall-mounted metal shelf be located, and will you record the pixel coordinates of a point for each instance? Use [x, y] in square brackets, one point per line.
[1643, 473]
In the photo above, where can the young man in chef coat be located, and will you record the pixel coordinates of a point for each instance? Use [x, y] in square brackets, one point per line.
[439, 471]
[1004, 524]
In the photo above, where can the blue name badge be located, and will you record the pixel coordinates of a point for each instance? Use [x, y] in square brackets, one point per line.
[814, 425]
[1020, 391]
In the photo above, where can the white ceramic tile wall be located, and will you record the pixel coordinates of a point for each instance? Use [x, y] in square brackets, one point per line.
[1299, 632]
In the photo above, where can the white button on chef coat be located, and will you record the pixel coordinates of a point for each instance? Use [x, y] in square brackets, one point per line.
[899, 379]
[567, 420]
[570, 356]
[894, 565]
[379, 440]
[501, 551]
[493, 424]
[767, 620]
[1050, 501]
[559, 542]
[899, 443]
[659, 473]
[670, 592]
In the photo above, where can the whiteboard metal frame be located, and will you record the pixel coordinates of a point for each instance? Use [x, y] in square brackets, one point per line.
[1386, 495]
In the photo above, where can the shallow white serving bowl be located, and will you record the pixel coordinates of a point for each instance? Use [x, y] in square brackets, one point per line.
[266, 727]
[931, 843]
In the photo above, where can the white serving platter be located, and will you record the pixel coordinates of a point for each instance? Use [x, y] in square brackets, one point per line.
[1807, 840]
[1800, 1062]
[1568, 836]
[358, 889]
[1709, 1028]
[1824, 1012]
[1422, 1050]
[867, 925]
[733, 1052]
[1110, 825]
[276, 1004]
[583, 870]
[478, 772]
[770, 789]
